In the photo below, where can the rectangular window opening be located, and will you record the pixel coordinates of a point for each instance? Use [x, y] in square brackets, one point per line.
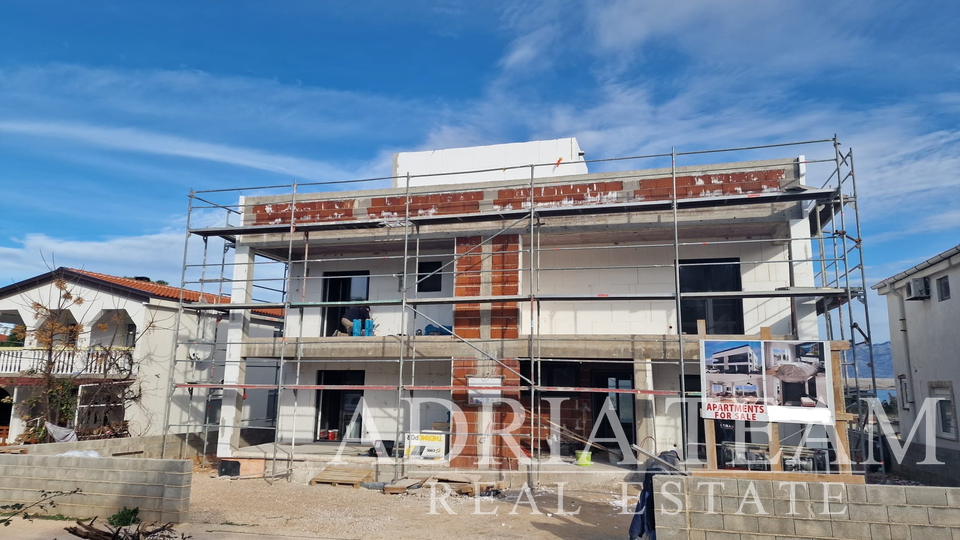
[427, 282]
[946, 413]
[943, 288]
[723, 315]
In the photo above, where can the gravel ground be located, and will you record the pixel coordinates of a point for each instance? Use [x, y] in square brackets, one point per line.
[284, 510]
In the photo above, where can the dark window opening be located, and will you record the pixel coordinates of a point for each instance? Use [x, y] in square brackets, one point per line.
[723, 315]
[553, 374]
[427, 282]
[343, 287]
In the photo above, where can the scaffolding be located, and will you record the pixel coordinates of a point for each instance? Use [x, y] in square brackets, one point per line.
[307, 230]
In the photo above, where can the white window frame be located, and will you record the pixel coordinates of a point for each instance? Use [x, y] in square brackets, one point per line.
[944, 390]
[943, 284]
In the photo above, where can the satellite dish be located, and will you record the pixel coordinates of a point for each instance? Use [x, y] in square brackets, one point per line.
[201, 350]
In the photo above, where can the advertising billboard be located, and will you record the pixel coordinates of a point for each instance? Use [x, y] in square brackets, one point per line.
[775, 381]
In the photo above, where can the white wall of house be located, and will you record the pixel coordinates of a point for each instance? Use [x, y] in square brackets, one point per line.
[925, 343]
[299, 413]
[764, 267]
[384, 285]
[498, 157]
[156, 323]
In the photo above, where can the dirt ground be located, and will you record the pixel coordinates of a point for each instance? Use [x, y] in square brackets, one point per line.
[290, 510]
[227, 509]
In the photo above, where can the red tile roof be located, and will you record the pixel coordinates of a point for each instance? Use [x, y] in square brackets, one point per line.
[168, 291]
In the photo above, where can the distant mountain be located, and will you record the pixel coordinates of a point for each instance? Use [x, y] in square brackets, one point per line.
[882, 361]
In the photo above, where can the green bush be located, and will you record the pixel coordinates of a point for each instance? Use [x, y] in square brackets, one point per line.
[125, 517]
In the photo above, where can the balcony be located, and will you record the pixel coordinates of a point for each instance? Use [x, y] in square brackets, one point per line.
[93, 362]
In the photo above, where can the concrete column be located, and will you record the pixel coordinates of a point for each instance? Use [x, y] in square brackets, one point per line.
[643, 406]
[16, 425]
[802, 275]
[235, 369]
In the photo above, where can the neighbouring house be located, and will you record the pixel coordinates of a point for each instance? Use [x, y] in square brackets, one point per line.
[924, 318]
[521, 281]
[119, 340]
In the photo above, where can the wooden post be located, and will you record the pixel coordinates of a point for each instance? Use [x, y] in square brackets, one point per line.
[773, 428]
[709, 430]
[840, 412]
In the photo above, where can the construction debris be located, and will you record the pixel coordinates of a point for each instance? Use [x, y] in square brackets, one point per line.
[140, 532]
[401, 486]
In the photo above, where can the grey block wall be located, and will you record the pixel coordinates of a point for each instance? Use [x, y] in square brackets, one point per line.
[186, 446]
[763, 510]
[159, 487]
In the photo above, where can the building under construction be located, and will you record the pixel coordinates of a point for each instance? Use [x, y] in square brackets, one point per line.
[511, 271]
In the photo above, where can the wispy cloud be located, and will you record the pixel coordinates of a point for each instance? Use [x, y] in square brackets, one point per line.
[948, 221]
[158, 255]
[209, 105]
[135, 140]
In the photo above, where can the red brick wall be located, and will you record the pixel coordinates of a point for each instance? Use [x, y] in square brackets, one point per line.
[504, 279]
[468, 202]
[707, 185]
[466, 281]
[503, 415]
[437, 203]
[306, 212]
[505, 261]
[550, 195]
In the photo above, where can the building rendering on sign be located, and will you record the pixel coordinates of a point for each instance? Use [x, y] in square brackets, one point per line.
[510, 272]
[924, 317]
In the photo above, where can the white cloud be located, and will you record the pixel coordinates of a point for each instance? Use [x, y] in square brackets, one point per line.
[157, 255]
[203, 103]
[134, 140]
[947, 221]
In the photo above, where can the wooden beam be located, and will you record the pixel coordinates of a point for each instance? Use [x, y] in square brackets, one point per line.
[773, 428]
[840, 411]
[709, 429]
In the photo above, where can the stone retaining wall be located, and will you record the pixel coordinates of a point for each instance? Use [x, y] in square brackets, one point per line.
[875, 512]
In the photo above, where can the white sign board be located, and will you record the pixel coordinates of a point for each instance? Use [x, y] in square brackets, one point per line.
[425, 445]
[775, 381]
[484, 395]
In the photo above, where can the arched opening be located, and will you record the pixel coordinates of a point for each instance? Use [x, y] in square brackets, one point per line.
[11, 328]
[114, 329]
[60, 330]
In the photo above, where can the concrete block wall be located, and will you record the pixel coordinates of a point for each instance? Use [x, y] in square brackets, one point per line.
[160, 488]
[877, 512]
[187, 446]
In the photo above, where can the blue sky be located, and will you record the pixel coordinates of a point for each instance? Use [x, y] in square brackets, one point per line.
[111, 111]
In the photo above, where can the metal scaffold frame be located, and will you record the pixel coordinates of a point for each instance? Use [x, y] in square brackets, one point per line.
[837, 261]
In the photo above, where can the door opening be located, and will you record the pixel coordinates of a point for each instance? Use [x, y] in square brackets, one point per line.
[623, 404]
[335, 408]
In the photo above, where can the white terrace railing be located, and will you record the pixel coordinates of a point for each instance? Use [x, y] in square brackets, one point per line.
[89, 362]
